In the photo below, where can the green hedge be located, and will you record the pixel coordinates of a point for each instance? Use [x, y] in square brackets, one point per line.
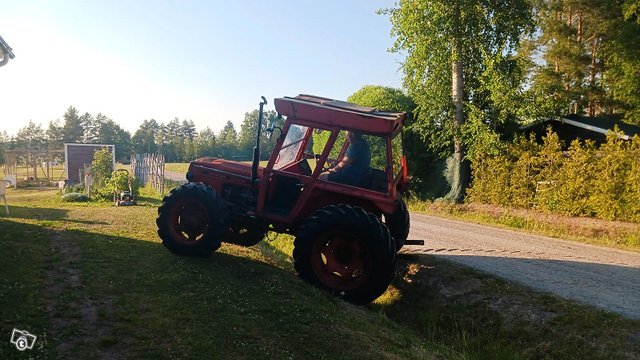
[584, 180]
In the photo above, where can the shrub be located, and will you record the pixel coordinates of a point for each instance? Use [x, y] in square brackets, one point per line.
[584, 180]
[101, 168]
[75, 197]
[119, 181]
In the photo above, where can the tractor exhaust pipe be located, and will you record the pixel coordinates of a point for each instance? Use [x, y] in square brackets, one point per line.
[256, 149]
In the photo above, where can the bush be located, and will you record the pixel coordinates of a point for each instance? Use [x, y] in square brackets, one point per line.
[119, 181]
[583, 181]
[75, 197]
[101, 168]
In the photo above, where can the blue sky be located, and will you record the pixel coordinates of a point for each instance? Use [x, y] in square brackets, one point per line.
[208, 61]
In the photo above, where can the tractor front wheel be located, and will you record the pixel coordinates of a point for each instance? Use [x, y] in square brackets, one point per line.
[192, 220]
[347, 251]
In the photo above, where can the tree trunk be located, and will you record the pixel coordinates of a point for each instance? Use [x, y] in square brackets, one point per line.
[592, 79]
[459, 172]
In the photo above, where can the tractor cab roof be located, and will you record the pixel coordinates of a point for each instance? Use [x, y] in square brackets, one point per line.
[340, 114]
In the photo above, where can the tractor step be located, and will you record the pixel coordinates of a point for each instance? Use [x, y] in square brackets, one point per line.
[414, 242]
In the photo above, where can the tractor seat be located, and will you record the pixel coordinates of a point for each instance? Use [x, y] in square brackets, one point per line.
[375, 179]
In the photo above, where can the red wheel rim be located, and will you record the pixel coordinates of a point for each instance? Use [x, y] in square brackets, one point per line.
[188, 221]
[341, 261]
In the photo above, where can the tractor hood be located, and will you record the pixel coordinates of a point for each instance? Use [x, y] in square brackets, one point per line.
[226, 167]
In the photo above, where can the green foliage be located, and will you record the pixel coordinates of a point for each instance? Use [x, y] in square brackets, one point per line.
[610, 199]
[590, 58]
[247, 135]
[75, 197]
[582, 181]
[73, 129]
[483, 35]
[101, 168]
[31, 137]
[120, 181]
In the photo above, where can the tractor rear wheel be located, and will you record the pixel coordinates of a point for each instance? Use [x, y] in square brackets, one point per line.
[192, 220]
[347, 251]
[399, 224]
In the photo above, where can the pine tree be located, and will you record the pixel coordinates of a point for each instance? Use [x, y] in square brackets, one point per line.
[228, 140]
[73, 127]
[55, 135]
[31, 137]
[591, 59]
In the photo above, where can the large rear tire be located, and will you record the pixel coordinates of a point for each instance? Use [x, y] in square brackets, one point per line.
[347, 251]
[399, 224]
[192, 220]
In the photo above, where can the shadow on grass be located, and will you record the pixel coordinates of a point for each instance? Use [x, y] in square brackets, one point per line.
[46, 214]
[484, 317]
[125, 298]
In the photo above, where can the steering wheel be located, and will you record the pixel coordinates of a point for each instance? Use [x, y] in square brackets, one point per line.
[305, 169]
[328, 165]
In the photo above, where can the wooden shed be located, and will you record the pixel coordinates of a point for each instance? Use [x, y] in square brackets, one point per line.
[77, 156]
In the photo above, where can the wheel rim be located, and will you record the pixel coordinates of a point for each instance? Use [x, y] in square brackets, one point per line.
[341, 261]
[189, 221]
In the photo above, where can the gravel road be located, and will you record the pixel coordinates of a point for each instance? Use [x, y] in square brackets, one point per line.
[175, 176]
[603, 277]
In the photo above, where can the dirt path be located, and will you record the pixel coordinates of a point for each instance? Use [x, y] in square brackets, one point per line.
[606, 278]
[73, 310]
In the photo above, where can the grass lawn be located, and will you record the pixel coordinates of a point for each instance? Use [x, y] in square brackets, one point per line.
[92, 280]
[177, 167]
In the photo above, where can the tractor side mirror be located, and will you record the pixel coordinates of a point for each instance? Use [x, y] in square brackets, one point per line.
[273, 126]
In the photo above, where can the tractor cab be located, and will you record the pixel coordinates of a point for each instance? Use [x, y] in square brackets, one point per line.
[315, 138]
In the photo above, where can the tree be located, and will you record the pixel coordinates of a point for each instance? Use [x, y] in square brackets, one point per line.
[448, 46]
[206, 143]
[91, 129]
[73, 127]
[4, 144]
[188, 130]
[31, 137]
[247, 136]
[55, 135]
[622, 57]
[632, 10]
[590, 51]
[228, 141]
[144, 139]
[111, 133]
[420, 160]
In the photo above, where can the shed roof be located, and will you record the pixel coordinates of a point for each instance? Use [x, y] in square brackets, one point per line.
[583, 126]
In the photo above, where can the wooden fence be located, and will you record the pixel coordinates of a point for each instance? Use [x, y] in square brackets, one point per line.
[22, 165]
[149, 169]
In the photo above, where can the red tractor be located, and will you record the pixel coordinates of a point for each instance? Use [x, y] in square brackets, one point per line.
[347, 231]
